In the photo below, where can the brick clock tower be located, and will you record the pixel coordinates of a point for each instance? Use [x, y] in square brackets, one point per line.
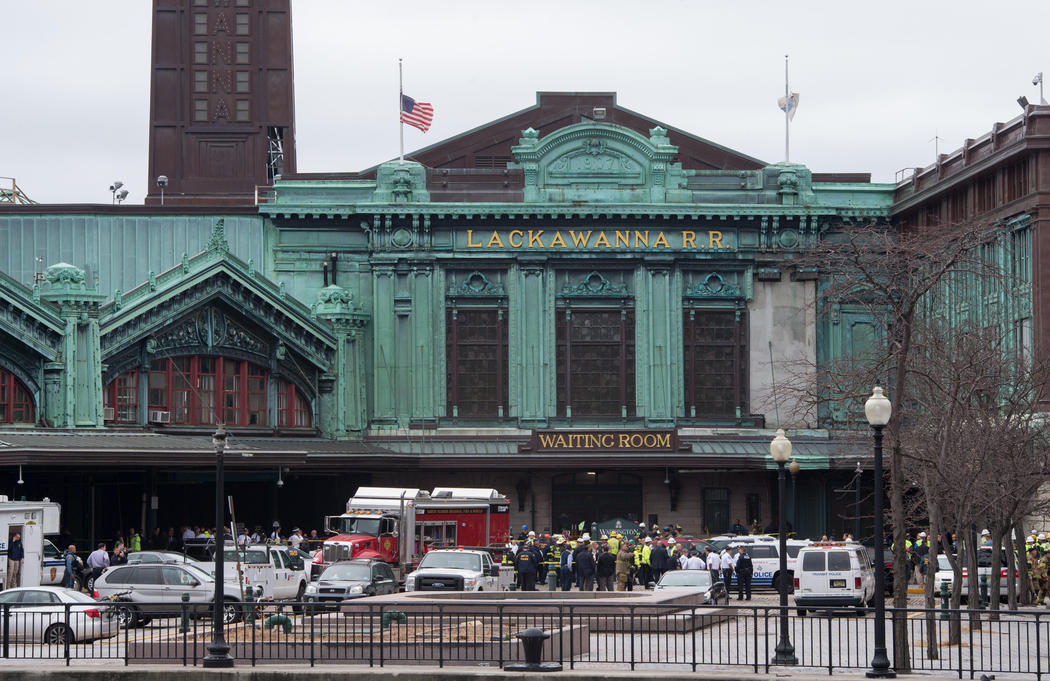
[222, 110]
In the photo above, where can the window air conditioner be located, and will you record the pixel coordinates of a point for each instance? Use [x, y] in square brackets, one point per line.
[160, 417]
[108, 413]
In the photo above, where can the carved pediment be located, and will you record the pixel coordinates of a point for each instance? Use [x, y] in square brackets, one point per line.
[599, 162]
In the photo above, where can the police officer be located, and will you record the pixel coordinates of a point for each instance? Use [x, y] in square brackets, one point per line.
[526, 564]
[744, 568]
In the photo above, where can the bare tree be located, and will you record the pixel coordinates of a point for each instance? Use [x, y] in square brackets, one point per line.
[892, 274]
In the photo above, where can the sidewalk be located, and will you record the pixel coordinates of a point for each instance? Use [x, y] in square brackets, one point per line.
[359, 673]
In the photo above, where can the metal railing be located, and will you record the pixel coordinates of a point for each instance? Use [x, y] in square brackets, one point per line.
[635, 636]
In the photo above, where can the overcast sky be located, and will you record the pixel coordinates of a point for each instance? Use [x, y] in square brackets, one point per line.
[877, 80]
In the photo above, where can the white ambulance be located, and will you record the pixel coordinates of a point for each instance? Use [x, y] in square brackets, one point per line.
[32, 520]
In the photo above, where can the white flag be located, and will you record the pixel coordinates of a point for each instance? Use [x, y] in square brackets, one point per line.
[789, 104]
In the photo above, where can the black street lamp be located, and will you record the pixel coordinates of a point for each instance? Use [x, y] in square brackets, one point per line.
[218, 650]
[856, 505]
[780, 449]
[794, 467]
[877, 410]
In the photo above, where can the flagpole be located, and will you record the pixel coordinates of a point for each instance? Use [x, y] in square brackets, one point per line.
[401, 122]
[787, 119]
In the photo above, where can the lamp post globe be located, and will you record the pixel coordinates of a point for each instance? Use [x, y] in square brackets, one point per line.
[878, 409]
[780, 450]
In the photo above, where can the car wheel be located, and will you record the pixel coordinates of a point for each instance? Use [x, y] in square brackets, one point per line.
[127, 616]
[297, 607]
[58, 634]
[89, 584]
[231, 612]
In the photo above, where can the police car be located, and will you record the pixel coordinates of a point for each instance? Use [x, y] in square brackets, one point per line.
[765, 556]
[833, 574]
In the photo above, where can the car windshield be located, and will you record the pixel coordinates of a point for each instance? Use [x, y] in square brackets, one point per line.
[198, 573]
[355, 525]
[347, 573]
[457, 561]
[698, 578]
[69, 595]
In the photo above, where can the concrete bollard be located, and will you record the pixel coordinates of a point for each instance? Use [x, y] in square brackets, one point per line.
[532, 646]
[944, 599]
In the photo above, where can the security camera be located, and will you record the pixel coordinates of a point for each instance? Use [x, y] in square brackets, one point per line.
[122, 194]
[162, 180]
[1035, 81]
[115, 186]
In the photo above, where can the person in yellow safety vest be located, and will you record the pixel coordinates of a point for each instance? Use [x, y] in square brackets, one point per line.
[554, 560]
[1043, 542]
[672, 546]
[637, 548]
[614, 543]
[647, 570]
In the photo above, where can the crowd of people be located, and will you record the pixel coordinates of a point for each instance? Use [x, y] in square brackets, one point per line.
[620, 560]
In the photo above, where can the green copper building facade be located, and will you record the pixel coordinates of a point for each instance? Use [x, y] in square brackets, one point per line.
[583, 315]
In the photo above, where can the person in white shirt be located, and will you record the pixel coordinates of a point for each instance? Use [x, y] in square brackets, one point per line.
[275, 536]
[725, 561]
[683, 558]
[694, 561]
[243, 537]
[187, 533]
[295, 539]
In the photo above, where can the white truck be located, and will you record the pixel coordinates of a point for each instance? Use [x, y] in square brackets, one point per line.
[32, 520]
[271, 572]
[459, 570]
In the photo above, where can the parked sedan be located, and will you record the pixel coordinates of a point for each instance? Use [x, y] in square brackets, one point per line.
[37, 614]
[147, 590]
[984, 567]
[695, 580]
[351, 579]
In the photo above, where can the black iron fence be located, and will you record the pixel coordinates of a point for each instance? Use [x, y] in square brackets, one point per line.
[588, 634]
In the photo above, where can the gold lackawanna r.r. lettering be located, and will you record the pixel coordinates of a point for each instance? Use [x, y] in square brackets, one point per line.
[590, 239]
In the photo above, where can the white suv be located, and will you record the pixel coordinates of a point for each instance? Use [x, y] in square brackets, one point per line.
[457, 570]
[833, 574]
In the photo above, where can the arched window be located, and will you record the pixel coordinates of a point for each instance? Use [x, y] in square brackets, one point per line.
[16, 404]
[122, 395]
[206, 390]
[293, 409]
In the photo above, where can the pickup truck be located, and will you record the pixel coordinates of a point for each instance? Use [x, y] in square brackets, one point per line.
[274, 572]
[459, 570]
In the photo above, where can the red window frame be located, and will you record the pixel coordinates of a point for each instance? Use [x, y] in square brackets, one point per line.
[293, 409]
[200, 390]
[122, 395]
[16, 403]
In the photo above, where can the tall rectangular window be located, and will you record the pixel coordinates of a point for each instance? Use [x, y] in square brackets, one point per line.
[243, 110]
[595, 359]
[242, 24]
[206, 390]
[476, 354]
[181, 390]
[256, 395]
[231, 391]
[126, 397]
[200, 24]
[242, 55]
[200, 53]
[715, 343]
[243, 81]
[200, 110]
[716, 510]
[200, 81]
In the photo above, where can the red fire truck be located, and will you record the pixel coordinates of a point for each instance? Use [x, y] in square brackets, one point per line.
[398, 525]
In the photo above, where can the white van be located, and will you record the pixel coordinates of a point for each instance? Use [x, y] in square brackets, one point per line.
[833, 574]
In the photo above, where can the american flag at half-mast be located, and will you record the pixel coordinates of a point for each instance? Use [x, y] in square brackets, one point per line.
[417, 114]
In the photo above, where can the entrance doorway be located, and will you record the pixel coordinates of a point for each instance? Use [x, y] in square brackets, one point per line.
[594, 498]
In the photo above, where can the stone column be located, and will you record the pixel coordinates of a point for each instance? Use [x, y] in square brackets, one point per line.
[531, 345]
[80, 400]
[348, 407]
[658, 349]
